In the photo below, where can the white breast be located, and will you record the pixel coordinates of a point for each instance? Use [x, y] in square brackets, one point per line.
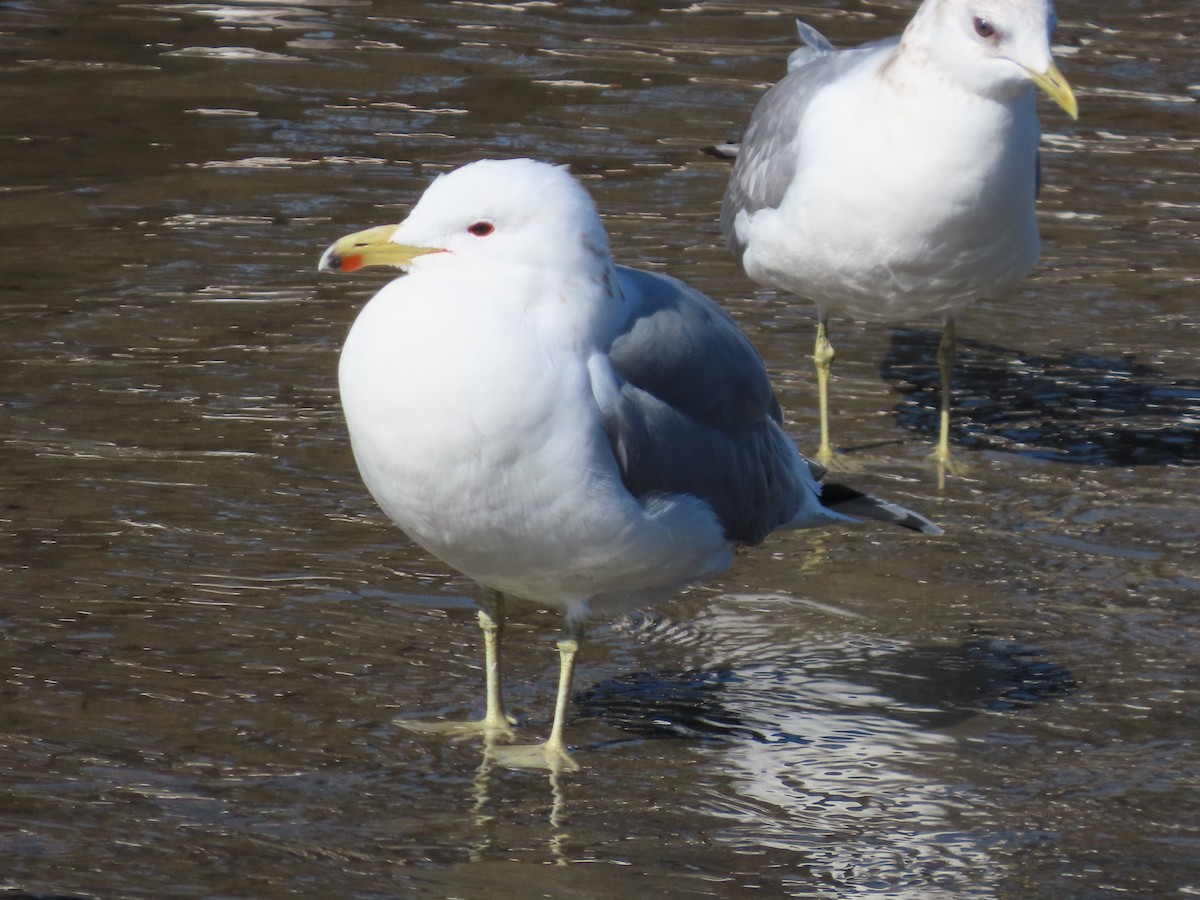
[905, 229]
[483, 442]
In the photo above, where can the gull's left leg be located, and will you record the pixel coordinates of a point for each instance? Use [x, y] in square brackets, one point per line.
[556, 748]
[552, 754]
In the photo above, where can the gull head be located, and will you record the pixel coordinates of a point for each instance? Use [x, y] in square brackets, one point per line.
[994, 47]
[485, 214]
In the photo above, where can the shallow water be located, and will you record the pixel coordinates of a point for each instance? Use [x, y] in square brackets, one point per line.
[209, 629]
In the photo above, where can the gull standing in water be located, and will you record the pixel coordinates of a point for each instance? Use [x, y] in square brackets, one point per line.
[559, 428]
[897, 180]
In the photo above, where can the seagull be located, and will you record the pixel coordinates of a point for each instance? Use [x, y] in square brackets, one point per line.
[897, 180]
[559, 428]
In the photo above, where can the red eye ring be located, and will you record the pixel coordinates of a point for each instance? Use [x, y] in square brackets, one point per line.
[984, 28]
[481, 229]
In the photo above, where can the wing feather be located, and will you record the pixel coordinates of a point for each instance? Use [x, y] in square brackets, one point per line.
[694, 412]
[766, 161]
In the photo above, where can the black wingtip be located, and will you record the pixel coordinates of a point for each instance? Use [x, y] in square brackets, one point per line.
[723, 150]
[850, 502]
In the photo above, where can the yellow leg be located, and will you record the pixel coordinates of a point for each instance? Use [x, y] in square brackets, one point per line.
[556, 748]
[822, 358]
[553, 753]
[946, 354]
[491, 621]
[496, 724]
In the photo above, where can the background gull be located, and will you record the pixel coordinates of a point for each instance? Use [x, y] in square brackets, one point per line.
[812, 45]
[897, 180]
[556, 427]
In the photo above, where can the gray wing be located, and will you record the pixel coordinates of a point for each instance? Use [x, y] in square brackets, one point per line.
[766, 161]
[812, 45]
[695, 412]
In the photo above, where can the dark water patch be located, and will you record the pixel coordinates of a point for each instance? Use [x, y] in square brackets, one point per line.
[1070, 407]
[934, 687]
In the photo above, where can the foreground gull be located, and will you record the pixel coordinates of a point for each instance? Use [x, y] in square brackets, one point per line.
[559, 428]
[897, 180]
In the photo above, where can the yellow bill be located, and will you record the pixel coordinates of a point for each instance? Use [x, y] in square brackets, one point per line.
[1056, 87]
[372, 247]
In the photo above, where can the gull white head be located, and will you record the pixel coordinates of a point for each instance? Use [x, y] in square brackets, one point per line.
[491, 212]
[992, 47]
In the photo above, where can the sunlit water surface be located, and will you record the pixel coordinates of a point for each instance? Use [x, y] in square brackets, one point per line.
[209, 630]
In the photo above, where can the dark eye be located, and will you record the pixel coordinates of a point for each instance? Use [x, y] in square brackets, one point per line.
[984, 28]
[481, 229]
